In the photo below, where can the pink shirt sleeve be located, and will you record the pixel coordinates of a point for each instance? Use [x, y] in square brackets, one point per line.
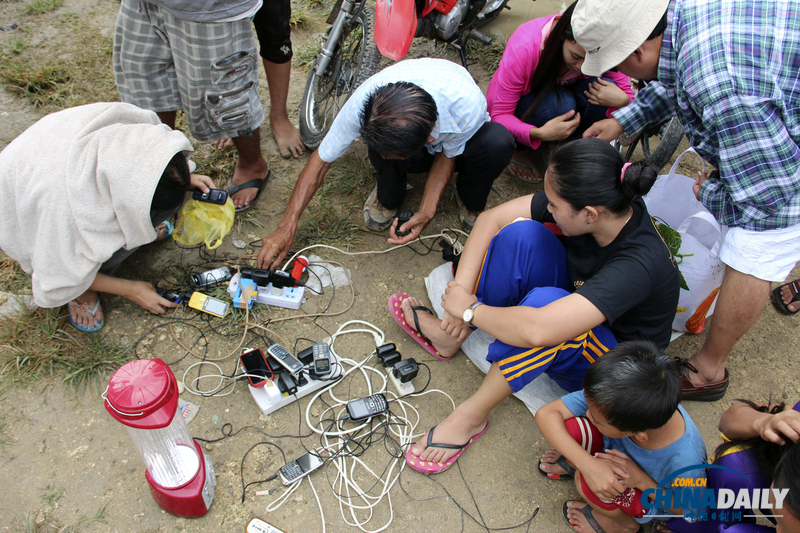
[623, 82]
[513, 78]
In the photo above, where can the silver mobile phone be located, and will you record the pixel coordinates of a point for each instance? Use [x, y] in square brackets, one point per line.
[299, 468]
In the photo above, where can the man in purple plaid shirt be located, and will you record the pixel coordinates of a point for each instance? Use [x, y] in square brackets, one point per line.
[730, 71]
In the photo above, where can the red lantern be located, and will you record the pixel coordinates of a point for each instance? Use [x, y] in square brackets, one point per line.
[143, 395]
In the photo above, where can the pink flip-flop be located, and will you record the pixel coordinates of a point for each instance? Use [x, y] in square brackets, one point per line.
[429, 467]
[397, 313]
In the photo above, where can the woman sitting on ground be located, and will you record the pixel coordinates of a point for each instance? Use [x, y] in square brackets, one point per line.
[552, 307]
[82, 190]
[539, 94]
[760, 452]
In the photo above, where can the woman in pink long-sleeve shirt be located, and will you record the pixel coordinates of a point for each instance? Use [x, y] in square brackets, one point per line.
[539, 94]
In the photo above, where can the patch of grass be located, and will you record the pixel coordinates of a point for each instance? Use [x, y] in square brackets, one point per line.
[351, 173]
[34, 343]
[300, 19]
[42, 84]
[314, 3]
[488, 55]
[214, 163]
[38, 7]
[15, 46]
[304, 55]
[12, 278]
[51, 494]
[323, 223]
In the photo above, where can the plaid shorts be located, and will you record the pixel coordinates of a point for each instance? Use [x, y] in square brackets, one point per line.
[208, 69]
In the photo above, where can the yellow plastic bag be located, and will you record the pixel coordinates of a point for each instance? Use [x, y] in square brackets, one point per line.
[204, 222]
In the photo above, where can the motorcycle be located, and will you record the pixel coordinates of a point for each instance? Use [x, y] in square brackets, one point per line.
[359, 35]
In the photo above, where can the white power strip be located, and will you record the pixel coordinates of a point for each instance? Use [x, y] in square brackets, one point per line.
[288, 297]
[269, 398]
[403, 389]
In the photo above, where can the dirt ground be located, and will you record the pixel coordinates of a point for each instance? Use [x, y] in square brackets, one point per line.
[68, 466]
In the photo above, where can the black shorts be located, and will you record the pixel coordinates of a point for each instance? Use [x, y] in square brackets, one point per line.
[273, 31]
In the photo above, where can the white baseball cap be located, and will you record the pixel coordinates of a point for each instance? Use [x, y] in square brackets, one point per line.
[611, 30]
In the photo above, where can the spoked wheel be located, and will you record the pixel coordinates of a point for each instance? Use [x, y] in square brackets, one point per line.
[355, 59]
[658, 142]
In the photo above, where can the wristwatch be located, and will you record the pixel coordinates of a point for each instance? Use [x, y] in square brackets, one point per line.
[469, 313]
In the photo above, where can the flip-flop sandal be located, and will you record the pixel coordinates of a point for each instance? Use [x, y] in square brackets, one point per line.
[258, 183]
[587, 512]
[777, 298]
[562, 462]
[524, 165]
[169, 229]
[397, 313]
[429, 467]
[92, 310]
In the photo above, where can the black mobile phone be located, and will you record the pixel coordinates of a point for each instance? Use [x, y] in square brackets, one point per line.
[366, 407]
[172, 296]
[402, 218]
[256, 367]
[213, 196]
[300, 467]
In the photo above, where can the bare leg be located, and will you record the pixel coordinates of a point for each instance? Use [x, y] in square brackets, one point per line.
[787, 295]
[168, 118]
[467, 420]
[430, 326]
[250, 165]
[741, 300]
[82, 317]
[286, 135]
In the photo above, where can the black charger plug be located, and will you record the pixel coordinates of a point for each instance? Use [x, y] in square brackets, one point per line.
[260, 276]
[406, 370]
[281, 279]
[390, 359]
[385, 348]
[286, 383]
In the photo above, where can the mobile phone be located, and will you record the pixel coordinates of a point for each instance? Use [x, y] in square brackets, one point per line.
[322, 358]
[172, 296]
[402, 218]
[213, 196]
[299, 468]
[285, 359]
[209, 305]
[256, 367]
[212, 277]
[366, 407]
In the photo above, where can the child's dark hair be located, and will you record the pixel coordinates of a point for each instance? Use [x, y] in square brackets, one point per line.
[589, 172]
[660, 28]
[397, 119]
[787, 476]
[765, 454]
[172, 187]
[635, 386]
[551, 60]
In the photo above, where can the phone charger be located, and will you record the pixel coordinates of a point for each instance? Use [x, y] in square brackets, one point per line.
[403, 389]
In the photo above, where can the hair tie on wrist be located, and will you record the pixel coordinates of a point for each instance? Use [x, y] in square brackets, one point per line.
[624, 168]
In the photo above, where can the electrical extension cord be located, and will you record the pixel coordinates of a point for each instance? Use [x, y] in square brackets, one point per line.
[403, 389]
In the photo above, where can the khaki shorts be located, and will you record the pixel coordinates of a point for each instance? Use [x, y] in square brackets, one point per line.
[768, 255]
[207, 69]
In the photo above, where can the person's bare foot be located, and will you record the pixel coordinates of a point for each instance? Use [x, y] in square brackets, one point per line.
[547, 463]
[456, 429]
[222, 143]
[525, 171]
[581, 525]
[80, 314]
[430, 326]
[250, 165]
[787, 295]
[286, 137]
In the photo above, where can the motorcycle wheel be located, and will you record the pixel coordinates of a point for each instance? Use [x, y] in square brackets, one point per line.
[658, 143]
[355, 59]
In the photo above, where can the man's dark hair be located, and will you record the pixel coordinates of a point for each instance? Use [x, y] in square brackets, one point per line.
[635, 386]
[172, 187]
[787, 476]
[397, 119]
[660, 28]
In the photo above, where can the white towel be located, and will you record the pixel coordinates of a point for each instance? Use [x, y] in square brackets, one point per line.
[77, 186]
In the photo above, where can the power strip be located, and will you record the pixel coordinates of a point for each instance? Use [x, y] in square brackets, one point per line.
[403, 389]
[269, 398]
[288, 297]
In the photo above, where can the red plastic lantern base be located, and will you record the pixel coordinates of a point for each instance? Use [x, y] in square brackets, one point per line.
[192, 499]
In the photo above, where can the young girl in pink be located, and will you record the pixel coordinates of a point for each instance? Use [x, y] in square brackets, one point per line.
[539, 94]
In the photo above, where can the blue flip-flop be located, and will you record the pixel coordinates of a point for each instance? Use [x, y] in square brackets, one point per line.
[92, 310]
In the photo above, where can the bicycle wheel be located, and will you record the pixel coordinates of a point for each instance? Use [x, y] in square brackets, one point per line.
[355, 59]
[667, 135]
